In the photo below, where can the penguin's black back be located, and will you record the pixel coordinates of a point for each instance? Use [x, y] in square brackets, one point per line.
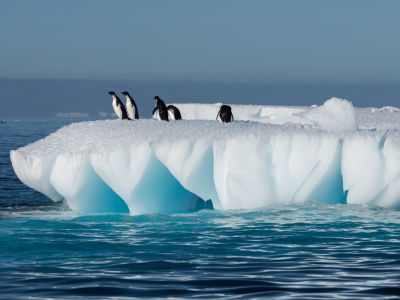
[134, 105]
[163, 112]
[124, 113]
[136, 110]
[123, 109]
[176, 112]
[225, 113]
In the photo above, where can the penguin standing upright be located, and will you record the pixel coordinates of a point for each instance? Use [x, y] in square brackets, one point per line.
[225, 114]
[173, 113]
[119, 108]
[131, 107]
[160, 112]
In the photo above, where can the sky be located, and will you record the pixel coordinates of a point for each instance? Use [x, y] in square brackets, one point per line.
[229, 40]
[183, 48]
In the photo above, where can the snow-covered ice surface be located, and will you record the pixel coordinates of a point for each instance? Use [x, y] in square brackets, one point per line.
[335, 114]
[385, 118]
[271, 155]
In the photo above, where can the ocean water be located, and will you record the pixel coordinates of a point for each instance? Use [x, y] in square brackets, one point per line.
[298, 252]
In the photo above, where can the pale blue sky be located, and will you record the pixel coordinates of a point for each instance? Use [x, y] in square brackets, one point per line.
[226, 40]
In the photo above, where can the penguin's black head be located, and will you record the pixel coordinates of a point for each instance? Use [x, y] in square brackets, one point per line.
[226, 108]
[112, 93]
[125, 93]
[159, 101]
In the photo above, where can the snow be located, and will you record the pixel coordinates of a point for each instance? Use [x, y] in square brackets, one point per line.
[327, 154]
[335, 114]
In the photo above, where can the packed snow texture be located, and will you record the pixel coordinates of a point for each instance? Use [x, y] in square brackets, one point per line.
[315, 154]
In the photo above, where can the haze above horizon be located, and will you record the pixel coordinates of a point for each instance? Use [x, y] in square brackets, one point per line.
[230, 41]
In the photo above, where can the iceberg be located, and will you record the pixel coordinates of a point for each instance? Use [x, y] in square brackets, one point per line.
[271, 155]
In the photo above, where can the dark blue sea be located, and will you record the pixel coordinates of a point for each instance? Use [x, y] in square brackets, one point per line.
[298, 252]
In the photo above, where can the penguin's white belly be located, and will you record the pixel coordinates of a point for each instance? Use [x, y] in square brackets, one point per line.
[171, 115]
[117, 109]
[157, 115]
[219, 118]
[130, 109]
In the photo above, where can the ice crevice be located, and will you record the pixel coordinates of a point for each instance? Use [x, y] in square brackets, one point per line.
[73, 177]
[146, 166]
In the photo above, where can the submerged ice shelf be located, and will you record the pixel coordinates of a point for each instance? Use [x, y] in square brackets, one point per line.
[145, 166]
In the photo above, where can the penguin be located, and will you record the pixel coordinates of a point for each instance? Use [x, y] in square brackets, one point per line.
[160, 112]
[173, 113]
[119, 108]
[225, 114]
[131, 107]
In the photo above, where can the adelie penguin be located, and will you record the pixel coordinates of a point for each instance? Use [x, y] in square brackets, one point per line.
[173, 113]
[131, 107]
[119, 108]
[160, 112]
[225, 114]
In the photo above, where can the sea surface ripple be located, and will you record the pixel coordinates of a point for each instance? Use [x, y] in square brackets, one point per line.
[308, 251]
